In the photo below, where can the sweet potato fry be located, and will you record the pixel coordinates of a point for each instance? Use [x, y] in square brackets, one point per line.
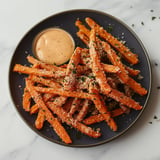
[64, 93]
[94, 119]
[131, 71]
[83, 37]
[49, 67]
[26, 100]
[117, 112]
[99, 118]
[82, 113]
[126, 53]
[59, 129]
[61, 70]
[81, 27]
[136, 87]
[100, 105]
[40, 119]
[116, 61]
[96, 65]
[71, 72]
[120, 97]
[34, 109]
[110, 68]
[44, 81]
[74, 60]
[32, 60]
[71, 121]
[74, 106]
[39, 72]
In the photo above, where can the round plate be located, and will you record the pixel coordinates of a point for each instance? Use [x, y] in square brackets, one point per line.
[66, 20]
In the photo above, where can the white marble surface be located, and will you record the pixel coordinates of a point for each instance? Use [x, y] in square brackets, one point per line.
[19, 142]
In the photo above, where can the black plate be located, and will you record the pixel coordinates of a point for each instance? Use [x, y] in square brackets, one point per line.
[66, 21]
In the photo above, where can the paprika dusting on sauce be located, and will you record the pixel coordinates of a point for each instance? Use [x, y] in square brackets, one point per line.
[53, 46]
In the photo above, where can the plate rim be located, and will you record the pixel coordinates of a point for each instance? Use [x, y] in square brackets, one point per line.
[148, 64]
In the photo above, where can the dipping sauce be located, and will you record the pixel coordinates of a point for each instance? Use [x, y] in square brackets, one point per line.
[53, 46]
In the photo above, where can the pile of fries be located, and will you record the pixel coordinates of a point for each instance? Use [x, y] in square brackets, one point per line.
[87, 89]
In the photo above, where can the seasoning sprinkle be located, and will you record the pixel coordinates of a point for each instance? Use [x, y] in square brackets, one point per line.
[55, 64]
[74, 72]
[153, 18]
[158, 87]
[109, 29]
[155, 117]
[156, 64]
[83, 79]
[73, 64]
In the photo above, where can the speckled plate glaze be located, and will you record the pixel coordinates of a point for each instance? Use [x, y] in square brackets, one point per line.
[66, 20]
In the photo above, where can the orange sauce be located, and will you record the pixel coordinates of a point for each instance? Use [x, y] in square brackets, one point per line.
[53, 46]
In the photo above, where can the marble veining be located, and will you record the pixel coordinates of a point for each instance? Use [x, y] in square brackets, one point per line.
[19, 142]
